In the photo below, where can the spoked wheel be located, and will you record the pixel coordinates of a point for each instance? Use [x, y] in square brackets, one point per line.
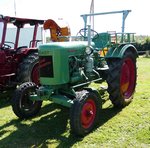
[122, 79]
[22, 106]
[84, 113]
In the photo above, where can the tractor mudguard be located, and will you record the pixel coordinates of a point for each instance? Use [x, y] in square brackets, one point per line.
[119, 51]
[27, 51]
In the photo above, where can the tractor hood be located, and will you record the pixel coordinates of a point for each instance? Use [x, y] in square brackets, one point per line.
[54, 61]
[68, 48]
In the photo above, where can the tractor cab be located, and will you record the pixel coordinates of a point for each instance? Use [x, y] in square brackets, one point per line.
[19, 38]
[11, 34]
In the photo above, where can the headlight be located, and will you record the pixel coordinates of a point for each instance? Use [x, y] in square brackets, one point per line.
[89, 50]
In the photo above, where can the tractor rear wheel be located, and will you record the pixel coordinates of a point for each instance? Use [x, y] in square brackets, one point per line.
[84, 113]
[28, 70]
[122, 79]
[22, 106]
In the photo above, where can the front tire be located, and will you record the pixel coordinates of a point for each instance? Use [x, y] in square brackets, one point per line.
[22, 106]
[122, 79]
[84, 113]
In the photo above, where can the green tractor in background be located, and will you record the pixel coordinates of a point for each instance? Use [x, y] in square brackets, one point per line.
[67, 69]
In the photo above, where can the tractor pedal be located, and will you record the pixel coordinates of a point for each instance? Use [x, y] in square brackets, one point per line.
[103, 68]
[104, 88]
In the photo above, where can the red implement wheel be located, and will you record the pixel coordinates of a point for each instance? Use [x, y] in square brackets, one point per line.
[22, 106]
[122, 79]
[84, 113]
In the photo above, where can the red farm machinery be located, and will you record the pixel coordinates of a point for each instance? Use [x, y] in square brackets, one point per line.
[19, 64]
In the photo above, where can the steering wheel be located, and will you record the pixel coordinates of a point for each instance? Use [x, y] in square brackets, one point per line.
[84, 31]
[6, 45]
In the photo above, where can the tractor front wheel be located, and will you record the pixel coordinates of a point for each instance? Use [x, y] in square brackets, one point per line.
[122, 79]
[22, 106]
[84, 113]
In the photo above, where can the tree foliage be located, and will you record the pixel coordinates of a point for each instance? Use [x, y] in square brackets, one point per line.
[142, 44]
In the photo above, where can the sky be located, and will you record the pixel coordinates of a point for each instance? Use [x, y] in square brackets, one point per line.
[138, 20]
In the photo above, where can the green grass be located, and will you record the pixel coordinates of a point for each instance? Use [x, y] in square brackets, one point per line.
[129, 127]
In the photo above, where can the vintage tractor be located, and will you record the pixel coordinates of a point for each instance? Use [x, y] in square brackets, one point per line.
[68, 68]
[19, 64]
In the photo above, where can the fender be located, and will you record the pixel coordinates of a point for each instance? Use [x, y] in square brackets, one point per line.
[27, 51]
[118, 52]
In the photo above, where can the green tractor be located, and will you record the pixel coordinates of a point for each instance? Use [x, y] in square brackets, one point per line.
[67, 69]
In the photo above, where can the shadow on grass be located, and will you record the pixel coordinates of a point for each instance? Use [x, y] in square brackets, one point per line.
[51, 129]
[5, 97]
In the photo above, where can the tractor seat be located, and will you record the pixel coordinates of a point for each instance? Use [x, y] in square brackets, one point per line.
[18, 49]
[21, 47]
[101, 40]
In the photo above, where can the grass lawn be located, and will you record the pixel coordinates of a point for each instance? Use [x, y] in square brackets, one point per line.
[129, 127]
